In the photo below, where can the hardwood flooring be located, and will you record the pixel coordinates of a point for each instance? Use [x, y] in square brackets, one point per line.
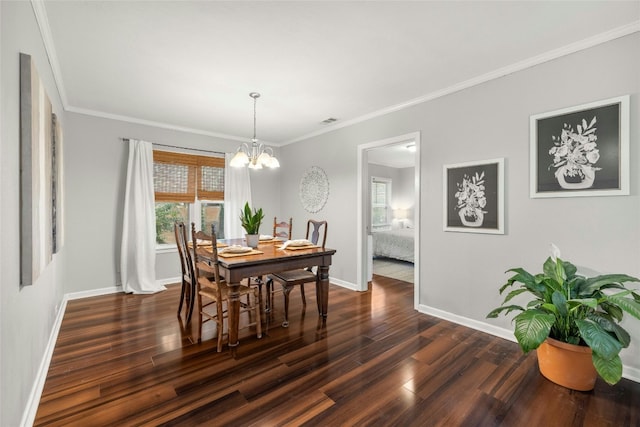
[124, 360]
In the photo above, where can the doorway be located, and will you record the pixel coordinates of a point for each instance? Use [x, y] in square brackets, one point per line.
[364, 252]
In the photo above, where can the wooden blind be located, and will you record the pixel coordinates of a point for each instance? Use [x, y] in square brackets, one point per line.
[179, 177]
[210, 178]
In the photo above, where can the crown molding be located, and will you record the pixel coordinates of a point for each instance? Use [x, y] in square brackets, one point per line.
[45, 31]
[162, 125]
[40, 12]
[492, 75]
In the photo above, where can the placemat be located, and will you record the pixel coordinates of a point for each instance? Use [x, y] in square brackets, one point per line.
[231, 255]
[298, 248]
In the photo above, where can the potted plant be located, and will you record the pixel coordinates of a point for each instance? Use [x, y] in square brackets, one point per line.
[571, 311]
[251, 224]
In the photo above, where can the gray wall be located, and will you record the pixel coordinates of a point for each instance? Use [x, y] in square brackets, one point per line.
[486, 121]
[460, 273]
[96, 169]
[26, 315]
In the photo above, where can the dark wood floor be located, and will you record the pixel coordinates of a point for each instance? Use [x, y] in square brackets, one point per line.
[125, 360]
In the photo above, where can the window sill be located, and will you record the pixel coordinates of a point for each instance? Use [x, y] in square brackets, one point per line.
[166, 248]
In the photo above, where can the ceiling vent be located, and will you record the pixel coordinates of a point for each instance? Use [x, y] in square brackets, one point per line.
[329, 120]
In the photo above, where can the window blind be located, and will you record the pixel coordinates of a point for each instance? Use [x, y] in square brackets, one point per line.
[179, 177]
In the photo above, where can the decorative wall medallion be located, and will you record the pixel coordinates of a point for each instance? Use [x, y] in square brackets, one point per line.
[314, 189]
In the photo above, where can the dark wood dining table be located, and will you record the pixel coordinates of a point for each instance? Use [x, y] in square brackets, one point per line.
[271, 260]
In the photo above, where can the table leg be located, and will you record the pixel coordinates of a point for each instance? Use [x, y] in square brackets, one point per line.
[234, 316]
[322, 290]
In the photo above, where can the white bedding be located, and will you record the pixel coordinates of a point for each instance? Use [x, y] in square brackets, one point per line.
[396, 244]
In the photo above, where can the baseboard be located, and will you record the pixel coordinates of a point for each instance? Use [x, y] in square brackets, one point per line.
[168, 281]
[33, 401]
[93, 293]
[628, 372]
[29, 415]
[344, 284]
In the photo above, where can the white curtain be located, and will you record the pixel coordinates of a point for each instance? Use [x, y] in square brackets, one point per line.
[237, 191]
[138, 251]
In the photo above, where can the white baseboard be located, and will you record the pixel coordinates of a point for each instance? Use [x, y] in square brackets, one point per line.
[629, 373]
[29, 415]
[33, 401]
[168, 281]
[92, 293]
[344, 284]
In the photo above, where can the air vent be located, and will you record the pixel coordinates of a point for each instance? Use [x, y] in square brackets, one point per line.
[329, 120]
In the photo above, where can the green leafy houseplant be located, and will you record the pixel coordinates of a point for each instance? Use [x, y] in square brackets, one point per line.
[573, 309]
[251, 221]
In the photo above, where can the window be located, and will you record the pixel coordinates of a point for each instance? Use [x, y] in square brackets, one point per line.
[212, 214]
[187, 188]
[380, 202]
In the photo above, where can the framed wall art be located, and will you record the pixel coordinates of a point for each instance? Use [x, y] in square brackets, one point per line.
[36, 199]
[581, 150]
[57, 185]
[474, 197]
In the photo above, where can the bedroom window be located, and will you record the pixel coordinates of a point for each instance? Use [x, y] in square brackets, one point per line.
[380, 203]
[188, 188]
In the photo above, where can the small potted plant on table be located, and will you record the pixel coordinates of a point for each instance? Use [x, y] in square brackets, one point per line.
[572, 319]
[251, 224]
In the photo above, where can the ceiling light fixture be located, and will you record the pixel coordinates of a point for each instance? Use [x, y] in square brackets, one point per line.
[258, 155]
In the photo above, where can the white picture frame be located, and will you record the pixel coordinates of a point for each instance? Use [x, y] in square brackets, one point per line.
[581, 150]
[474, 197]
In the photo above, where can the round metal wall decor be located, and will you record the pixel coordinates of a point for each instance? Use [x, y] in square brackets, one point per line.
[314, 189]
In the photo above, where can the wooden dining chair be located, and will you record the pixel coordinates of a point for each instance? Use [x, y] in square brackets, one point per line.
[282, 229]
[292, 278]
[213, 290]
[188, 291]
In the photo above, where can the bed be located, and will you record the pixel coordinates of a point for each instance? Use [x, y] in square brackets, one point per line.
[396, 244]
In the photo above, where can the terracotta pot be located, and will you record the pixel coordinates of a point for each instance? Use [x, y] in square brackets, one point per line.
[567, 365]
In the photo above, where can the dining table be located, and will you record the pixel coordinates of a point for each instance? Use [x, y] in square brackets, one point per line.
[270, 257]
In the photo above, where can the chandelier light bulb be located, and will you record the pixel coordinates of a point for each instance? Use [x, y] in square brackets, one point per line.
[258, 155]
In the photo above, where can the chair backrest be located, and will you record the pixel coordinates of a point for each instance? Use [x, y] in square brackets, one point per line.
[201, 256]
[282, 228]
[315, 229]
[186, 264]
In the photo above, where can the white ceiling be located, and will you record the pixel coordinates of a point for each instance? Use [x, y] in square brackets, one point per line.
[191, 64]
[395, 156]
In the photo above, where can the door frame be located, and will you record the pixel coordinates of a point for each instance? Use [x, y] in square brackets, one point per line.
[363, 209]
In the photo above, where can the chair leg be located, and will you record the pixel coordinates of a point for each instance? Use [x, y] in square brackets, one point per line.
[258, 308]
[260, 281]
[181, 297]
[286, 290]
[269, 296]
[219, 324]
[304, 300]
[199, 318]
[191, 300]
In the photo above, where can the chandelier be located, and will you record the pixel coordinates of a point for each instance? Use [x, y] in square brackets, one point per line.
[258, 155]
